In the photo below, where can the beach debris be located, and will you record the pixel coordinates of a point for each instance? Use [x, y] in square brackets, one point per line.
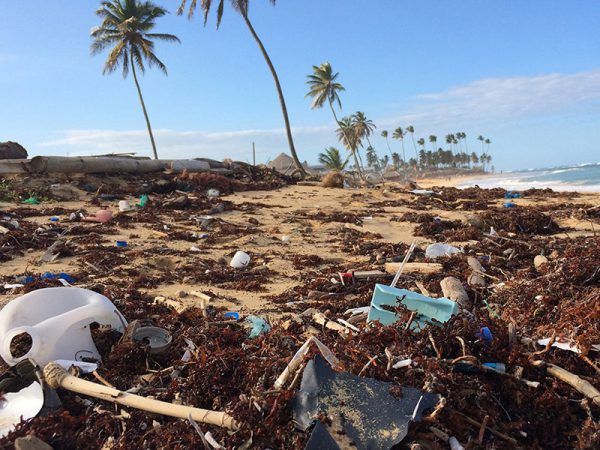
[475, 264]
[363, 408]
[512, 195]
[57, 377]
[476, 280]
[414, 267]
[438, 250]
[453, 289]
[121, 243]
[125, 206]
[213, 193]
[31, 442]
[258, 326]
[510, 205]
[102, 216]
[422, 192]
[21, 405]
[333, 180]
[240, 260]
[31, 201]
[157, 339]
[427, 310]
[144, 199]
[53, 323]
[539, 261]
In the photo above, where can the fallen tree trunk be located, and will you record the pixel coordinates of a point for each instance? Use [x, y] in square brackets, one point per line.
[62, 164]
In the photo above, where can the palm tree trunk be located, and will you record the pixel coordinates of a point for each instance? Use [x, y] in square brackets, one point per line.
[137, 85]
[286, 119]
[388, 146]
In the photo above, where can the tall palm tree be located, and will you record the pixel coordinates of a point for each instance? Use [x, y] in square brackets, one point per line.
[241, 6]
[433, 140]
[399, 135]
[482, 139]
[384, 134]
[421, 143]
[348, 135]
[127, 27]
[324, 88]
[372, 158]
[488, 142]
[332, 159]
[396, 161]
[364, 126]
[410, 129]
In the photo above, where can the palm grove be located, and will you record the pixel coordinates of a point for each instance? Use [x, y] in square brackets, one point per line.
[127, 32]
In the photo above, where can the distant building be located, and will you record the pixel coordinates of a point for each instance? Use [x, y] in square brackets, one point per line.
[283, 163]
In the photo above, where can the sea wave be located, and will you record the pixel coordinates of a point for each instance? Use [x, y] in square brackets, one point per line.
[512, 184]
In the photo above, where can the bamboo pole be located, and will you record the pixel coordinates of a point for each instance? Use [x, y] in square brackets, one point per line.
[57, 377]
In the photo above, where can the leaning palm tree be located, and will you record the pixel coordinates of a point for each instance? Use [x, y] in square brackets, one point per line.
[385, 134]
[488, 142]
[332, 159]
[482, 139]
[324, 88]
[241, 6]
[127, 28]
[421, 143]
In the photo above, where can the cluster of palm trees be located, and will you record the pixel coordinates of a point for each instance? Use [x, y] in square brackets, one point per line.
[127, 29]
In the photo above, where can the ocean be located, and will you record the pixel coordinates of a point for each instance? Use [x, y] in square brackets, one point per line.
[581, 178]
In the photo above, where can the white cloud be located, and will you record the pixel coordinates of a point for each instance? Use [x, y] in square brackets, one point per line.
[495, 99]
[491, 103]
[184, 144]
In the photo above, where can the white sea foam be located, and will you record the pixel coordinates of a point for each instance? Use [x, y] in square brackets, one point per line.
[515, 184]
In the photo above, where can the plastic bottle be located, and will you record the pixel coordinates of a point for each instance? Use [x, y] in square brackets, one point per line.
[57, 319]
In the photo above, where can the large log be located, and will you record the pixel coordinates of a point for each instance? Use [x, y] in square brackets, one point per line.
[112, 165]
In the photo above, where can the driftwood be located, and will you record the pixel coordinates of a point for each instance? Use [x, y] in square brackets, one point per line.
[62, 164]
[56, 377]
[575, 381]
[414, 267]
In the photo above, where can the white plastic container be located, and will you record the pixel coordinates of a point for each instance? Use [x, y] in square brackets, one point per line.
[240, 260]
[58, 321]
[124, 206]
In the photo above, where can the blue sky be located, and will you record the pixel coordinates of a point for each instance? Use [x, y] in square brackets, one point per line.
[525, 73]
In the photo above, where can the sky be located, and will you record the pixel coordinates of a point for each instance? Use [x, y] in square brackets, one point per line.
[523, 73]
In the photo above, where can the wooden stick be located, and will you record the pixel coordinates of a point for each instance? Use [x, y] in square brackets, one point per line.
[575, 381]
[473, 422]
[57, 377]
[321, 319]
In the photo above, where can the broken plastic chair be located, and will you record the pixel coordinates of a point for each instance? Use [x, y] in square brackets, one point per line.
[57, 321]
[429, 310]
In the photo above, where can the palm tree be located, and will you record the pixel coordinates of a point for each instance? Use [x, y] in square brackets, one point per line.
[396, 161]
[332, 159]
[324, 88]
[474, 158]
[399, 135]
[372, 158]
[241, 6]
[348, 135]
[433, 140]
[410, 129]
[421, 143]
[449, 138]
[488, 142]
[364, 126]
[384, 134]
[127, 26]
[482, 139]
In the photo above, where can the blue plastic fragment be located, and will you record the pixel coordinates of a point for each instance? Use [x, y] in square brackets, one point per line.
[510, 205]
[259, 326]
[55, 276]
[54, 219]
[499, 367]
[486, 334]
[232, 315]
[121, 243]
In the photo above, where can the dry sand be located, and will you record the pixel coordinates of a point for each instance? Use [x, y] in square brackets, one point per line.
[282, 215]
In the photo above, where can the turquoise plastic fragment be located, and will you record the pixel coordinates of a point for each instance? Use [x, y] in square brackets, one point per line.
[259, 326]
[429, 310]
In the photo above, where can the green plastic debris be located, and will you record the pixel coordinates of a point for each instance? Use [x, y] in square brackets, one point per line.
[31, 201]
[429, 310]
[143, 201]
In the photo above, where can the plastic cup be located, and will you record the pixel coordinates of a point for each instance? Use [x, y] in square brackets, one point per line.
[240, 260]
[124, 206]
